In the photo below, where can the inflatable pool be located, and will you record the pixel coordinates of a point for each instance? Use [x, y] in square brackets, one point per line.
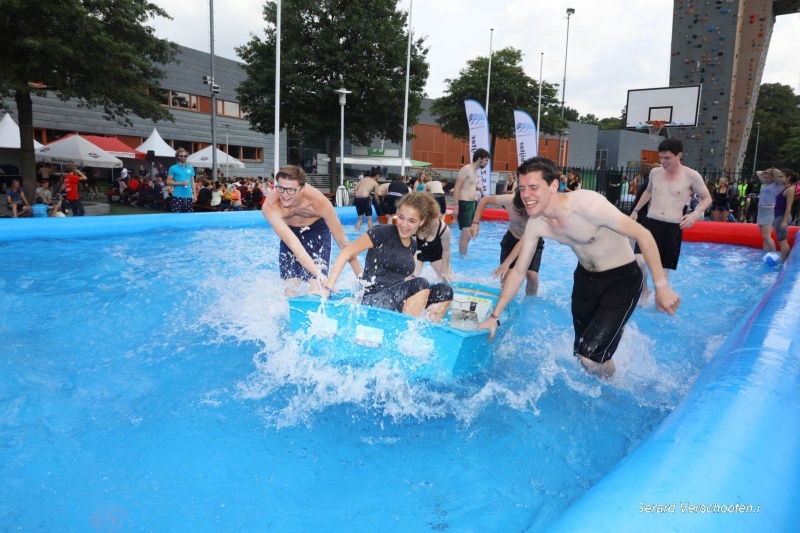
[453, 348]
[724, 459]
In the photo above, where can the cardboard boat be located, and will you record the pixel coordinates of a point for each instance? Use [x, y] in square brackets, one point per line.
[350, 333]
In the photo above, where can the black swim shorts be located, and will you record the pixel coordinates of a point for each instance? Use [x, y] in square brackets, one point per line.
[363, 206]
[316, 239]
[668, 237]
[507, 246]
[602, 303]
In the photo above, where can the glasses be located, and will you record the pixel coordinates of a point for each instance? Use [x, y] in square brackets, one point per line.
[291, 191]
[182, 156]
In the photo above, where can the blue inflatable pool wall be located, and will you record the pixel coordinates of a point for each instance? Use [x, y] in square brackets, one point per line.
[726, 459]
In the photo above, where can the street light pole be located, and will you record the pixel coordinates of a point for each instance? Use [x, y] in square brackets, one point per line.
[755, 155]
[405, 105]
[489, 72]
[570, 12]
[341, 192]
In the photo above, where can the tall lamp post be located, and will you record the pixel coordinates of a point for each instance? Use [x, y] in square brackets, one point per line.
[570, 12]
[755, 155]
[341, 191]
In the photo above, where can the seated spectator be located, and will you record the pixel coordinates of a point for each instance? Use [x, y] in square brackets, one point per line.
[131, 192]
[204, 194]
[216, 195]
[40, 209]
[257, 196]
[225, 204]
[16, 200]
[147, 192]
[236, 199]
[45, 193]
[158, 187]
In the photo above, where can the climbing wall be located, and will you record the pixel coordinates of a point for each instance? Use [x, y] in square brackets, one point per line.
[722, 45]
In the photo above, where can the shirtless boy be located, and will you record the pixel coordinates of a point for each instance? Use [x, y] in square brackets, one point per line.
[304, 219]
[465, 194]
[366, 186]
[607, 279]
[668, 191]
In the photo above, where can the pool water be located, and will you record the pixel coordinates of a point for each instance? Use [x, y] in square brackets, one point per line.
[151, 382]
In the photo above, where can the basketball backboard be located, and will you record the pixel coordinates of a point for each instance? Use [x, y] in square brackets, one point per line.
[675, 106]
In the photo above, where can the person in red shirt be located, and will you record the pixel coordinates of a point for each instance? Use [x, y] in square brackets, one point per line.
[71, 181]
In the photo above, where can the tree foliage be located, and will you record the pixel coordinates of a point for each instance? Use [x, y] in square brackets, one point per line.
[778, 111]
[99, 52]
[790, 150]
[510, 89]
[328, 44]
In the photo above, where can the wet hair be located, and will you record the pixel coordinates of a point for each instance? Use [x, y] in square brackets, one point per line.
[673, 145]
[517, 203]
[292, 173]
[546, 166]
[480, 153]
[375, 172]
[426, 206]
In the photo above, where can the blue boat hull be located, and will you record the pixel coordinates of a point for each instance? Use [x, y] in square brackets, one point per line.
[350, 333]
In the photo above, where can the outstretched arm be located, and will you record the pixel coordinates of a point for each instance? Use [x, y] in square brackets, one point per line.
[505, 200]
[272, 213]
[328, 214]
[348, 253]
[515, 276]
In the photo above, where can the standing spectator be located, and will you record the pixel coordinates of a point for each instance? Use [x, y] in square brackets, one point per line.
[45, 171]
[721, 200]
[92, 184]
[766, 204]
[16, 199]
[71, 181]
[363, 200]
[573, 181]
[396, 190]
[181, 178]
[435, 188]
[783, 210]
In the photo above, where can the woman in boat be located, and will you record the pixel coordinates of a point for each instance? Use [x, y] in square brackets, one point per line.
[433, 246]
[388, 276]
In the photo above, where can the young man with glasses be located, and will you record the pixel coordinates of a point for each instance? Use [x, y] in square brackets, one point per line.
[304, 219]
[608, 281]
[181, 178]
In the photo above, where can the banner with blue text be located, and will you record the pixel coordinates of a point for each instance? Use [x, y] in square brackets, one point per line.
[526, 136]
[479, 138]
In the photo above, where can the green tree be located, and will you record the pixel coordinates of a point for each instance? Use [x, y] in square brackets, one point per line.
[589, 119]
[328, 44]
[98, 52]
[777, 110]
[611, 123]
[510, 89]
[790, 150]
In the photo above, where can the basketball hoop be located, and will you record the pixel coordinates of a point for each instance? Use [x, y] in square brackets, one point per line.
[655, 127]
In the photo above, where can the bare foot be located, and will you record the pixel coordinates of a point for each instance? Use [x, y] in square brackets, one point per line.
[603, 370]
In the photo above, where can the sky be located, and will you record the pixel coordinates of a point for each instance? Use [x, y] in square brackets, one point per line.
[614, 45]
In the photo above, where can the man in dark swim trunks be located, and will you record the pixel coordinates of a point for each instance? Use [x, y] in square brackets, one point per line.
[607, 279]
[668, 192]
[304, 219]
[363, 202]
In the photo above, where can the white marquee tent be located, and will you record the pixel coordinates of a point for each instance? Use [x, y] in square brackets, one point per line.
[202, 159]
[157, 145]
[9, 134]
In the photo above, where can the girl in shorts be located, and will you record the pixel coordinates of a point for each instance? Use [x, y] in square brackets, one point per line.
[783, 209]
[388, 275]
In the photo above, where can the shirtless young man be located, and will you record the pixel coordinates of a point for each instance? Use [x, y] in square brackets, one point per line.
[607, 279]
[304, 219]
[465, 194]
[668, 191]
[366, 186]
[437, 190]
